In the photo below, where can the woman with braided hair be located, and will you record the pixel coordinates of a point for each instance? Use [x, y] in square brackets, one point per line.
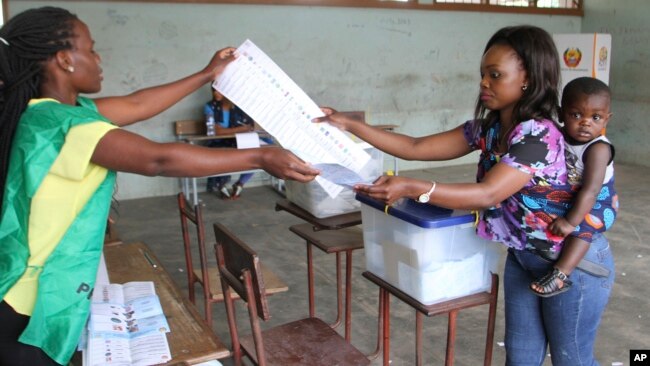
[59, 153]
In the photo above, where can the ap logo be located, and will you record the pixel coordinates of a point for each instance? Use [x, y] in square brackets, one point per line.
[639, 357]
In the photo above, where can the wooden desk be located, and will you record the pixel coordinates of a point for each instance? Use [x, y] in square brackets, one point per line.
[191, 341]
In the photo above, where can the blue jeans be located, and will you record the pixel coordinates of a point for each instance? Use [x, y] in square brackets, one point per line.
[567, 322]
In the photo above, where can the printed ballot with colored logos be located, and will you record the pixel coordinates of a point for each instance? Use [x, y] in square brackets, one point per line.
[260, 88]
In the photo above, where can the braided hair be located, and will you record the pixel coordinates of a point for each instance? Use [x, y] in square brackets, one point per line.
[28, 40]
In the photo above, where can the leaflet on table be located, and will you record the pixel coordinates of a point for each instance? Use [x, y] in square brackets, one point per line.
[259, 87]
[140, 316]
[150, 349]
[123, 293]
[127, 326]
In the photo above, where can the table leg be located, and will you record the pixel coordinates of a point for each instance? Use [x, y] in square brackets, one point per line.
[339, 291]
[195, 194]
[489, 341]
[348, 295]
[380, 327]
[386, 331]
[185, 187]
[451, 338]
[395, 167]
[310, 281]
[418, 338]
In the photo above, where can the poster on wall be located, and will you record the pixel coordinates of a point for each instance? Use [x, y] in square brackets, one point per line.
[584, 54]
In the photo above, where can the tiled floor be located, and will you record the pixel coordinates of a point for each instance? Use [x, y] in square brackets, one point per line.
[625, 325]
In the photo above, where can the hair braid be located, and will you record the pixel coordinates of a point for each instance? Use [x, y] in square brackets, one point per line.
[34, 36]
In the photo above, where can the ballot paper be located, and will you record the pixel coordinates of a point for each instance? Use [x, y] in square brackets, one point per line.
[261, 89]
[341, 175]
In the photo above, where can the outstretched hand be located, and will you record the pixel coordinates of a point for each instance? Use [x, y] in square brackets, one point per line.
[283, 164]
[336, 119]
[220, 60]
[387, 188]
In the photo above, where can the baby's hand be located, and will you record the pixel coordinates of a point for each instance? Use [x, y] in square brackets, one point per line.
[561, 227]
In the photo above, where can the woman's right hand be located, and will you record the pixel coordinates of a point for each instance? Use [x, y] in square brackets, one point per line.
[336, 119]
[284, 164]
[390, 188]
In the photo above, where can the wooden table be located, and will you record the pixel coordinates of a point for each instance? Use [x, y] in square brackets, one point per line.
[191, 341]
[449, 307]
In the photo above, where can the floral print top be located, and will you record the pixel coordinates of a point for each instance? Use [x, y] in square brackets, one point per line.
[536, 148]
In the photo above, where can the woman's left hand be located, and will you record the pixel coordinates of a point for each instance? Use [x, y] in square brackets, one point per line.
[220, 60]
[388, 188]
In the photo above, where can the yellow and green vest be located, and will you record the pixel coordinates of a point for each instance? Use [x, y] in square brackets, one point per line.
[66, 277]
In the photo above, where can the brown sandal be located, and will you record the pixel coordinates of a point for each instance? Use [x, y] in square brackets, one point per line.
[549, 286]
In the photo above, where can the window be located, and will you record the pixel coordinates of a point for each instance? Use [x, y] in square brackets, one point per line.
[554, 4]
[554, 7]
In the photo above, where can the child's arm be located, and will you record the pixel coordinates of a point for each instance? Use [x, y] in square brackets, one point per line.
[596, 159]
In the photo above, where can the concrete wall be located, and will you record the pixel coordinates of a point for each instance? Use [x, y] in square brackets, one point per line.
[417, 69]
[627, 22]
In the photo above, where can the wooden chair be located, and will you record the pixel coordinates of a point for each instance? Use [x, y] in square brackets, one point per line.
[308, 341]
[206, 275]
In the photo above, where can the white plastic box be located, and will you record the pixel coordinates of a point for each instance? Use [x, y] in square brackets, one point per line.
[586, 54]
[313, 198]
[430, 253]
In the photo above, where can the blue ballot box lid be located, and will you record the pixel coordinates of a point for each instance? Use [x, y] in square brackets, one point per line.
[423, 215]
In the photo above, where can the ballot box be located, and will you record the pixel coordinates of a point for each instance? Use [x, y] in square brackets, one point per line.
[430, 253]
[584, 54]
